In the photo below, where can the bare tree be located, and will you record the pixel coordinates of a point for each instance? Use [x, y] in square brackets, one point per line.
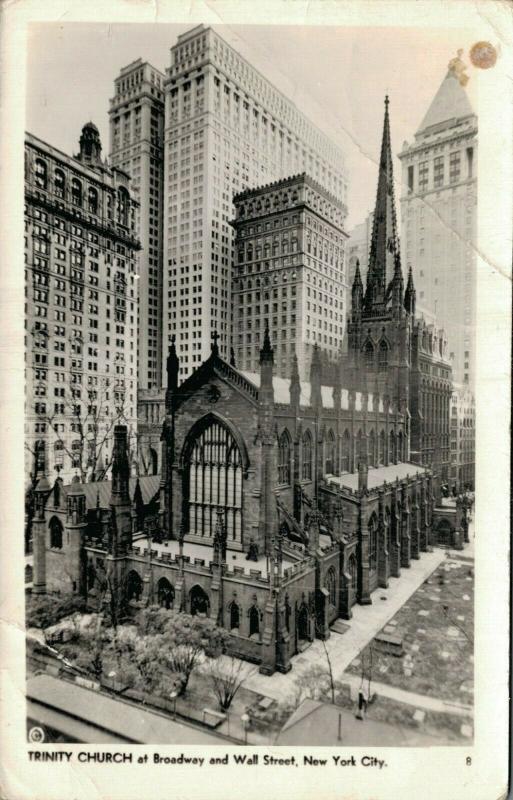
[225, 680]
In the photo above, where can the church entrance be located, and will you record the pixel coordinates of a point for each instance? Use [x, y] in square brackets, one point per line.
[200, 604]
[134, 586]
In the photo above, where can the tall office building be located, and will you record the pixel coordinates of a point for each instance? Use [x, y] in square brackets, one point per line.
[289, 275]
[136, 146]
[439, 215]
[227, 129]
[81, 255]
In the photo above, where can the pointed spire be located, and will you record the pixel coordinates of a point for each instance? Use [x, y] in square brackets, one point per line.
[173, 366]
[266, 352]
[120, 465]
[357, 290]
[384, 243]
[410, 294]
[396, 287]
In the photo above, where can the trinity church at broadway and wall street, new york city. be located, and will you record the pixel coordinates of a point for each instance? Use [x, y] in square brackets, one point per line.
[280, 503]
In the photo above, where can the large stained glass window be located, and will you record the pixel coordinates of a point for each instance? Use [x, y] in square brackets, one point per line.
[215, 482]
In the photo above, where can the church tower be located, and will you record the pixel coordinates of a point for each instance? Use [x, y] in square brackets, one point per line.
[379, 328]
[90, 146]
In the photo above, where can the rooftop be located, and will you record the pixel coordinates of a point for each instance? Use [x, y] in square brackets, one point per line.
[450, 102]
[316, 722]
[376, 476]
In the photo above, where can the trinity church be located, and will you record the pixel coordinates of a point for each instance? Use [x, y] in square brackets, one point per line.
[279, 503]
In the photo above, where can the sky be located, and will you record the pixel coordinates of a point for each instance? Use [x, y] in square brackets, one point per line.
[337, 76]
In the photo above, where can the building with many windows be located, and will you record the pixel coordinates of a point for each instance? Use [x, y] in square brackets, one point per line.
[227, 129]
[439, 216]
[463, 435]
[136, 146]
[81, 255]
[289, 273]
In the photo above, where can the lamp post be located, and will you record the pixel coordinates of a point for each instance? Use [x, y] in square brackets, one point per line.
[245, 723]
[173, 695]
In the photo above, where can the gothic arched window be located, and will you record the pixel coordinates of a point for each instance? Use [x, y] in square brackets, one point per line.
[372, 448]
[307, 456]
[368, 352]
[76, 192]
[373, 543]
[234, 615]
[214, 479]
[400, 455]
[392, 453]
[59, 183]
[284, 458]
[382, 447]
[331, 585]
[330, 454]
[345, 459]
[383, 356]
[56, 533]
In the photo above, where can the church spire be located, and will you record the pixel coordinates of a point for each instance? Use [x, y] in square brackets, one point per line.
[410, 294]
[357, 290]
[384, 242]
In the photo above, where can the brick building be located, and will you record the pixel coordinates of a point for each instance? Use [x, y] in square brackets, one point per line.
[81, 261]
[289, 270]
[463, 456]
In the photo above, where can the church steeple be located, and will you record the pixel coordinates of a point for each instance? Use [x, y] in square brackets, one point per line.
[173, 370]
[357, 291]
[384, 242]
[396, 288]
[410, 294]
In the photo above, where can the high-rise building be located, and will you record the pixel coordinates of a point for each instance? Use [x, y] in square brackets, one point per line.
[80, 308]
[439, 215]
[463, 455]
[289, 274]
[358, 248]
[136, 146]
[227, 129]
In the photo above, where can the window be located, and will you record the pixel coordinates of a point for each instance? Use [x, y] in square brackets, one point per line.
[423, 176]
[382, 447]
[76, 192]
[92, 200]
[307, 456]
[373, 543]
[284, 458]
[123, 203]
[59, 183]
[331, 586]
[41, 174]
[56, 533]
[368, 352]
[454, 167]
[438, 171]
[213, 480]
[345, 459]
[330, 454]
[383, 356]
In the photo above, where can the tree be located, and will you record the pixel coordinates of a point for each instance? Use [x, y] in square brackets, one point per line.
[226, 680]
[183, 640]
[43, 611]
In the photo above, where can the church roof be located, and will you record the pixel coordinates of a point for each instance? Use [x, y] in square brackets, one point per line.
[450, 102]
[376, 475]
[149, 485]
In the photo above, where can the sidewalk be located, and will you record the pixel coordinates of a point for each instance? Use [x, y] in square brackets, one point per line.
[411, 698]
[366, 622]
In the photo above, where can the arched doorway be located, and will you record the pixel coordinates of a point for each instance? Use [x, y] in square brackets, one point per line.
[444, 533]
[302, 623]
[200, 604]
[134, 586]
[56, 533]
[234, 616]
[165, 593]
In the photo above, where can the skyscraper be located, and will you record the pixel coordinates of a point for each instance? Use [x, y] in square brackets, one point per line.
[81, 308]
[289, 275]
[227, 129]
[136, 145]
[439, 215]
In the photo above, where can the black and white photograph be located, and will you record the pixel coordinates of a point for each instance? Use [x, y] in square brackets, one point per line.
[248, 476]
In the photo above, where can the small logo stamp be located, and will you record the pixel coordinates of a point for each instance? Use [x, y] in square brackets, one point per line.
[36, 734]
[483, 55]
